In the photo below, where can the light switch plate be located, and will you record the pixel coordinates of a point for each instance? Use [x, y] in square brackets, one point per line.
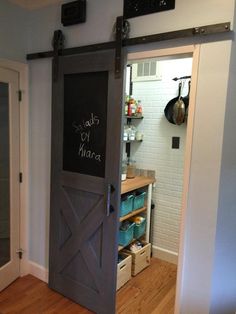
[175, 142]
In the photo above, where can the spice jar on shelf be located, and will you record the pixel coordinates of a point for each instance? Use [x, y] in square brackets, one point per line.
[132, 132]
[138, 136]
[139, 109]
[124, 170]
[126, 133]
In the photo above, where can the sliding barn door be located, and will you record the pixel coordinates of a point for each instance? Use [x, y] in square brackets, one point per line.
[85, 180]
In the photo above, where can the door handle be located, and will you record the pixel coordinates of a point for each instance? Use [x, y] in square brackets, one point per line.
[109, 207]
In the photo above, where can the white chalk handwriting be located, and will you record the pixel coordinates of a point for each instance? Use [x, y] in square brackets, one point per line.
[87, 153]
[85, 124]
[83, 129]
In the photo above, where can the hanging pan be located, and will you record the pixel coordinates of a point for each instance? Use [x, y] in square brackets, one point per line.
[186, 101]
[170, 106]
[178, 115]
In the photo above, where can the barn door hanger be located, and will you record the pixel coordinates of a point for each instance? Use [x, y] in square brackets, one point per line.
[58, 45]
[122, 29]
[122, 32]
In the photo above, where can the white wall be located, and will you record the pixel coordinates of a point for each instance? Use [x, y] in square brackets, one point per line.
[13, 32]
[202, 203]
[101, 16]
[208, 132]
[156, 152]
[224, 279]
[40, 142]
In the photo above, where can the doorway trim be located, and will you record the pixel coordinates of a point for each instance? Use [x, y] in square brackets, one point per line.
[195, 51]
[22, 69]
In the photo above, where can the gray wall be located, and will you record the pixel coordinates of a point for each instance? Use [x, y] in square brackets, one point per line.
[13, 32]
[205, 165]
[224, 280]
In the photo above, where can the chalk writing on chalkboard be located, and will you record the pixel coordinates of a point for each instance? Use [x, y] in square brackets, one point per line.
[83, 129]
[85, 123]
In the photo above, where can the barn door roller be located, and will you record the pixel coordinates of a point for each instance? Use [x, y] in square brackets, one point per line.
[58, 45]
[119, 26]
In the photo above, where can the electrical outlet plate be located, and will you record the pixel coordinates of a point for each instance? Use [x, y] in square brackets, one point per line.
[133, 8]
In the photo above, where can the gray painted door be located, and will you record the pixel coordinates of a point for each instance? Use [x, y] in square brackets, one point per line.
[85, 180]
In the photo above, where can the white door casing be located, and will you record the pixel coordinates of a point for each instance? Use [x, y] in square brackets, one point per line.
[11, 270]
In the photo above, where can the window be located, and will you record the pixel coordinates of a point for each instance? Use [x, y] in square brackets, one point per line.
[146, 71]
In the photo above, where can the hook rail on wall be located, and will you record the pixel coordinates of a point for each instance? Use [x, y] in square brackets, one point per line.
[181, 78]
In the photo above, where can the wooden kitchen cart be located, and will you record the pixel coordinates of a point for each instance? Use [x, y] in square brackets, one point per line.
[130, 185]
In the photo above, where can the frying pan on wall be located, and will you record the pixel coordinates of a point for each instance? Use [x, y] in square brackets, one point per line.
[170, 106]
[186, 100]
[178, 115]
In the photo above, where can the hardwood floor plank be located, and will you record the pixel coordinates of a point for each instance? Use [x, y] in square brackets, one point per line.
[150, 292]
[148, 289]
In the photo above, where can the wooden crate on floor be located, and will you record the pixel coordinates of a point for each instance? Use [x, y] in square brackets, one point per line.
[140, 259]
[123, 271]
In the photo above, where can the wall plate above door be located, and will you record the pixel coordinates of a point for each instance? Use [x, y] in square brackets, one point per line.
[133, 8]
[73, 12]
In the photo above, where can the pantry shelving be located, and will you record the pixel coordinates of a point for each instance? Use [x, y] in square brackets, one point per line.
[141, 257]
[128, 142]
[132, 185]
[132, 141]
[133, 213]
[133, 117]
[136, 183]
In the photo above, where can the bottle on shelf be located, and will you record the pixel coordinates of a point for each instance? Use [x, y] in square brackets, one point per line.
[133, 108]
[139, 110]
[129, 110]
[130, 106]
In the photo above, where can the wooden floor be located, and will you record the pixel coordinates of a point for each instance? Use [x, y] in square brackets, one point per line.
[150, 292]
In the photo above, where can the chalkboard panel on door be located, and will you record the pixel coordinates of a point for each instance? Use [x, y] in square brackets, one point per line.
[85, 116]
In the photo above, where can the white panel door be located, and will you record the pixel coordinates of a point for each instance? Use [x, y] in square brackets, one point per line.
[9, 177]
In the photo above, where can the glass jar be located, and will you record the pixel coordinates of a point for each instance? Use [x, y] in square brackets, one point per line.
[126, 133]
[124, 171]
[132, 132]
[131, 169]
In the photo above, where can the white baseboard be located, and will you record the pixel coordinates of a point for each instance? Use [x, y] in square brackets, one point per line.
[38, 271]
[41, 272]
[165, 255]
[24, 265]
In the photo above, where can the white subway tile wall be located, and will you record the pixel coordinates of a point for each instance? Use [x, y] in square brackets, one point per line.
[156, 153]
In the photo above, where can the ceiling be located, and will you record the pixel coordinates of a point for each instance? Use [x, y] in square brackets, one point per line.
[35, 4]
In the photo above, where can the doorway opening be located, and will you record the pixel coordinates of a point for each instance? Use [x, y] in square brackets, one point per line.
[159, 145]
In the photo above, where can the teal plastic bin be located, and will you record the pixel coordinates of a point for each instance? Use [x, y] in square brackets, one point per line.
[139, 200]
[139, 229]
[126, 237]
[126, 205]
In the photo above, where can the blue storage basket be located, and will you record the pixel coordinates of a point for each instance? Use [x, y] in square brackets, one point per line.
[139, 201]
[126, 205]
[126, 237]
[139, 229]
